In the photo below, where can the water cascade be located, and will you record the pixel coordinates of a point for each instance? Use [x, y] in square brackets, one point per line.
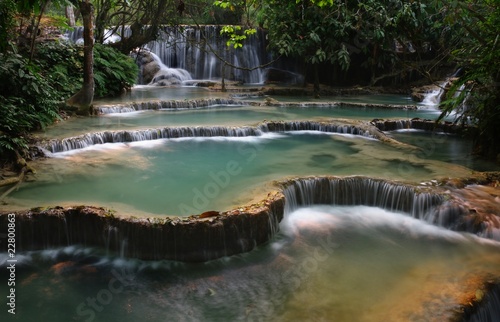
[417, 124]
[193, 49]
[361, 191]
[213, 234]
[424, 203]
[203, 53]
[488, 308]
[434, 96]
[202, 239]
[154, 72]
[89, 139]
[171, 104]
[203, 103]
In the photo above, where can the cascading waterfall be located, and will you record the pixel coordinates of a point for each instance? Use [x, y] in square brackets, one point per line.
[216, 235]
[198, 50]
[154, 72]
[417, 124]
[89, 139]
[163, 105]
[488, 309]
[200, 103]
[361, 191]
[432, 206]
[203, 52]
[188, 239]
[200, 239]
[165, 75]
[433, 98]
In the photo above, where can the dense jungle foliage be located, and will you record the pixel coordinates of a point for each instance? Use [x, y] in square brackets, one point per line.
[36, 80]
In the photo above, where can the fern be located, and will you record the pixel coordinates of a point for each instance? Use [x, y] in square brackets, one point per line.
[113, 71]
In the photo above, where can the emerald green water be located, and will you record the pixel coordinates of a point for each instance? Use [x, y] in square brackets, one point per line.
[190, 176]
[448, 148]
[147, 93]
[228, 115]
[326, 264]
[176, 177]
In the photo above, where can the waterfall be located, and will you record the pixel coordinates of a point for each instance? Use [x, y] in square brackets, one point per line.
[487, 309]
[169, 76]
[238, 230]
[123, 136]
[416, 123]
[90, 139]
[434, 97]
[112, 238]
[154, 72]
[193, 49]
[162, 105]
[203, 53]
[434, 206]
[295, 126]
[361, 191]
[188, 239]
[198, 103]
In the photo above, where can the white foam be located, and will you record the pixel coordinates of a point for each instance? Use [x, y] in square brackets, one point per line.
[364, 218]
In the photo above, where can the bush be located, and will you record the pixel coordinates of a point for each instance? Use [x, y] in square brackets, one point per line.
[27, 94]
[7, 23]
[30, 99]
[27, 102]
[113, 71]
[62, 64]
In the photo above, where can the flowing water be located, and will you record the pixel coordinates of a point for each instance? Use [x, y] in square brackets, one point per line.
[188, 176]
[328, 263]
[191, 175]
[221, 115]
[181, 176]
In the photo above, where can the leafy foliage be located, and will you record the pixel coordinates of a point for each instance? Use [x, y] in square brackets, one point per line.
[145, 18]
[236, 35]
[113, 71]
[62, 65]
[7, 11]
[475, 95]
[30, 99]
[27, 102]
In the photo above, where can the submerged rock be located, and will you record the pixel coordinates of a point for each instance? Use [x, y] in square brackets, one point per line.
[154, 72]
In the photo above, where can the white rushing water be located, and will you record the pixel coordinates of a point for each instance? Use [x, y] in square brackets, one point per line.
[343, 263]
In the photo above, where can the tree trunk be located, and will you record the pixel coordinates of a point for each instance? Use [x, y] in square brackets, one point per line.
[35, 29]
[70, 14]
[223, 83]
[82, 100]
[316, 81]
